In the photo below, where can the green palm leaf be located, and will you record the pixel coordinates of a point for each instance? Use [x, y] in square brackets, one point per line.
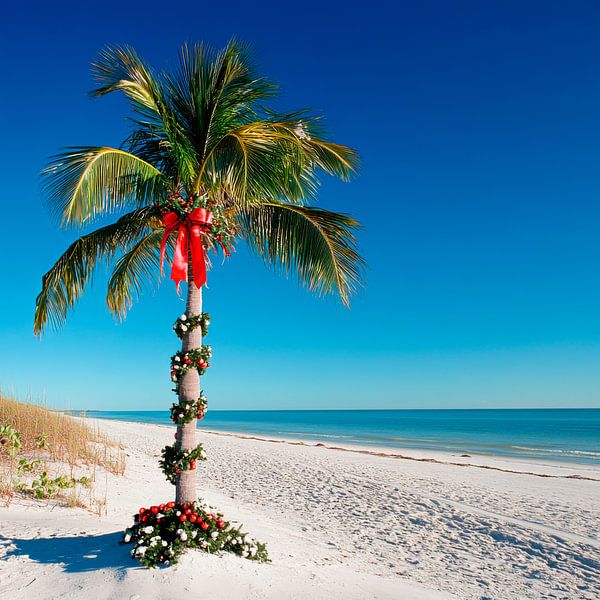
[317, 244]
[132, 271]
[83, 183]
[214, 92]
[121, 69]
[65, 282]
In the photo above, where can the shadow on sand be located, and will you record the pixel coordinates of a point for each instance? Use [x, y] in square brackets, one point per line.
[78, 554]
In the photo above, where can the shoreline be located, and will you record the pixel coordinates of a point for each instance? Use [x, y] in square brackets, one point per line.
[538, 467]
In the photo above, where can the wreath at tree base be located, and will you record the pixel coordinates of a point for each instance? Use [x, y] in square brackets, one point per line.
[161, 533]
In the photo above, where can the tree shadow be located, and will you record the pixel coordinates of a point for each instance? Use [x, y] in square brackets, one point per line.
[78, 554]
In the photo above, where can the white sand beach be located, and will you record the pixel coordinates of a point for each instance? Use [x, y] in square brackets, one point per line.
[338, 524]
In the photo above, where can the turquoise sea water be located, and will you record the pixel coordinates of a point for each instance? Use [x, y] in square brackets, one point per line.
[550, 434]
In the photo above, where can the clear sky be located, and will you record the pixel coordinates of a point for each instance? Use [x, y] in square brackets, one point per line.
[478, 125]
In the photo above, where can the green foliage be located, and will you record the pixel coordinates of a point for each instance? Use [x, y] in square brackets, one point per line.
[137, 266]
[45, 487]
[41, 441]
[162, 533]
[183, 412]
[181, 362]
[317, 244]
[27, 466]
[64, 283]
[10, 440]
[85, 183]
[174, 460]
[185, 324]
[200, 129]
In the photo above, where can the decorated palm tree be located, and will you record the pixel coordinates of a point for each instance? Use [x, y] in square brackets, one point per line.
[206, 164]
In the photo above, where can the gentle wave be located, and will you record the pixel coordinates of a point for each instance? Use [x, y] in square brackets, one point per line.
[311, 434]
[547, 434]
[559, 451]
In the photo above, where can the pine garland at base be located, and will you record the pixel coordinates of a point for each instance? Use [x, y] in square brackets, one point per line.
[160, 534]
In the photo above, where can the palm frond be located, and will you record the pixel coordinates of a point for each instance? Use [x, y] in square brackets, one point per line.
[212, 93]
[275, 159]
[258, 160]
[151, 144]
[305, 129]
[316, 244]
[65, 282]
[120, 68]
[132, 271]
[86, 182]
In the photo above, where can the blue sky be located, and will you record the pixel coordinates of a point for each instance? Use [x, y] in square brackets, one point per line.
[478, 125]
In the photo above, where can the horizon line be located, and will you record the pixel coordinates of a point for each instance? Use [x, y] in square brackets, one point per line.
[340, 409]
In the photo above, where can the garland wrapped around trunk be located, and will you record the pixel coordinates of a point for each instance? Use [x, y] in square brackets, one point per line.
[162, 532]
[193, 359]
[185, 324]
[174, 460]
[186, 412]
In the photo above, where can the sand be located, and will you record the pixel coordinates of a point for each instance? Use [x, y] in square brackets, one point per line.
[344, 522]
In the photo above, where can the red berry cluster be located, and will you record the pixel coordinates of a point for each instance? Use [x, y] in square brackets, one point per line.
[193, 359]
[182, 204]
[183, 512]
[183, 412]
[174, 461]
[200, 363]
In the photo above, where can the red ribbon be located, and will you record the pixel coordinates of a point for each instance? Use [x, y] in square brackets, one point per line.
[191, 227]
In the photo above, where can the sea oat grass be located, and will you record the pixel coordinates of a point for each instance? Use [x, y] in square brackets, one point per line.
[59, 446]
[67, 439]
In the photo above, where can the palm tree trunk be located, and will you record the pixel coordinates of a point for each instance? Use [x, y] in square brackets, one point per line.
[189, 391]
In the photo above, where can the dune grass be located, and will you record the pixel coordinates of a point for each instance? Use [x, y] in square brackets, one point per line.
[57, 443]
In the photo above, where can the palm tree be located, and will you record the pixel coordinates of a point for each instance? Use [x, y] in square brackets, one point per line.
[199, 131]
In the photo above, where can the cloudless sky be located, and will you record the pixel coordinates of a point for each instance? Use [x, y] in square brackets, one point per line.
[478, 126]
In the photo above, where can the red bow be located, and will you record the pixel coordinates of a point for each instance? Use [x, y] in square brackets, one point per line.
[197, 221]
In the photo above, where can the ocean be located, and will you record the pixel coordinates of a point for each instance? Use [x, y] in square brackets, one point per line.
[549, 434]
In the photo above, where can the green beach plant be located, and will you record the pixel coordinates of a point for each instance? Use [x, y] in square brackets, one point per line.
[206, 158]
[45, 486]
[10, 440]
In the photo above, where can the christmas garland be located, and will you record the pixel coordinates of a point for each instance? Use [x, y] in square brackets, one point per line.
[174, 460]
[185, 324]
[186, 412]
[160, 534]
[181, 362]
